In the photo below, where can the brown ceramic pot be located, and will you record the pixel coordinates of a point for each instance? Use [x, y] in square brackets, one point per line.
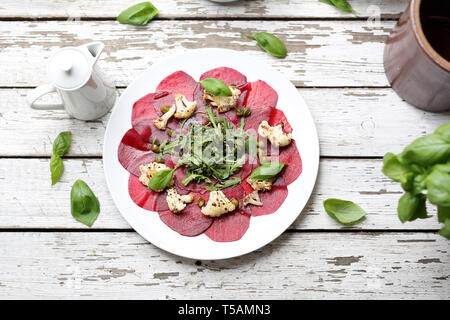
[415, 70]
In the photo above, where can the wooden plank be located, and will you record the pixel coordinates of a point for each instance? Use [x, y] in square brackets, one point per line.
[28, 200]
[200, 9]
[350, 122]
[321, 53]
[295, 266]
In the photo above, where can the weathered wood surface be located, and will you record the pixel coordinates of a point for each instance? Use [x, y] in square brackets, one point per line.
[296, 265]
[350, 122]
[321, 53]
[203, 9]
[28, 200]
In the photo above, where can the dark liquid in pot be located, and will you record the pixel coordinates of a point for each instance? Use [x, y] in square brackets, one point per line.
[435, 20]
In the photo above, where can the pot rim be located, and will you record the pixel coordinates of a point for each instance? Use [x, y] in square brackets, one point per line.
[424, 44]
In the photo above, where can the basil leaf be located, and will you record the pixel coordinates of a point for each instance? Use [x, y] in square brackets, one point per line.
[84, 204]
[411, 207]
[444, 131]
[161, 180]
[267, 171]
[345, 212]
[216, 87]
[56, 168]
[343, 5]
[445, 231]
[139, 14]
[270, 43]
[62, 143]
[438, 185]
[427, 151]
[395, 170]
[443, 213]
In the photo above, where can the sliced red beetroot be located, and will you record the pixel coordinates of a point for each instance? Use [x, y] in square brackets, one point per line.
[229, 227]
[147, 109]
[260, 95]
[133, 151]
[189, 222]
[271, 199]
[178, 82]
[278, 117]
[253, 121]
[140, 194]
[250, 164]
[228, 75]
[291, 157]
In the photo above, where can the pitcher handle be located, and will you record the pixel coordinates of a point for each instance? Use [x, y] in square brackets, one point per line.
[40, 91]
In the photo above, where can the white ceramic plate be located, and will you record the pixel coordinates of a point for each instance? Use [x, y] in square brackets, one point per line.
[263, 229]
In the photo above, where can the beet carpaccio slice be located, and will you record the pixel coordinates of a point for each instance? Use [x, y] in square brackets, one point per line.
[135, 150]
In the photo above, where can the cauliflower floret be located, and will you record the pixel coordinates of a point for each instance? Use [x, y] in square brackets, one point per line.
[149, 170]
[275, 134]
[185, 108]
[223, 104]
[176, 201]
[258, 185]
[161, 122]
[253, 198]
[218, 204]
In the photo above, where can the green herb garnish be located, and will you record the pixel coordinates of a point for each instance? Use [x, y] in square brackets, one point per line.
[61, 146]
[62, 143]
[270, 43]
[423, 165]
[267, 171]
[161, 180]
[216, 87]
[340, 4]
[216, 150]
[344, 212]
[140, 14]
[84, 204]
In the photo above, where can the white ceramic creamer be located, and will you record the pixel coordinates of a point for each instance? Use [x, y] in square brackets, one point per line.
[86, 92]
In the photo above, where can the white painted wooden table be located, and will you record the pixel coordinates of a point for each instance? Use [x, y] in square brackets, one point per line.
[335, 60]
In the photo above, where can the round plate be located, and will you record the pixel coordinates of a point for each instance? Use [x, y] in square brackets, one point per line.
[263, 229]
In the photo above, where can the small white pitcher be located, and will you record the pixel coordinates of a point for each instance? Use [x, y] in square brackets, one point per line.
[86, 93]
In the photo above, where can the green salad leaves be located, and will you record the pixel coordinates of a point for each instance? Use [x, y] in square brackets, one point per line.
[424, 165]
[270, 43]
[161, 180]
[61, 146]
[139, 15]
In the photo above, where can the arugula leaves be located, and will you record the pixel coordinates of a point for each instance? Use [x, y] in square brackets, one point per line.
[343, 211]
[61, 146]
[215, 151]
[84, 204]
[423, 165]
[270, 43]
[139, 15]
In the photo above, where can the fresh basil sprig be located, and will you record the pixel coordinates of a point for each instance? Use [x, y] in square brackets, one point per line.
[56, 168]
[62, 143]
[267, 171]
[423, 165]
[161, 180]
[140, 14]
[60, 147]
[270, 43]
[340, 4]
[343, 211]
[84, 204]
[216, 87]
